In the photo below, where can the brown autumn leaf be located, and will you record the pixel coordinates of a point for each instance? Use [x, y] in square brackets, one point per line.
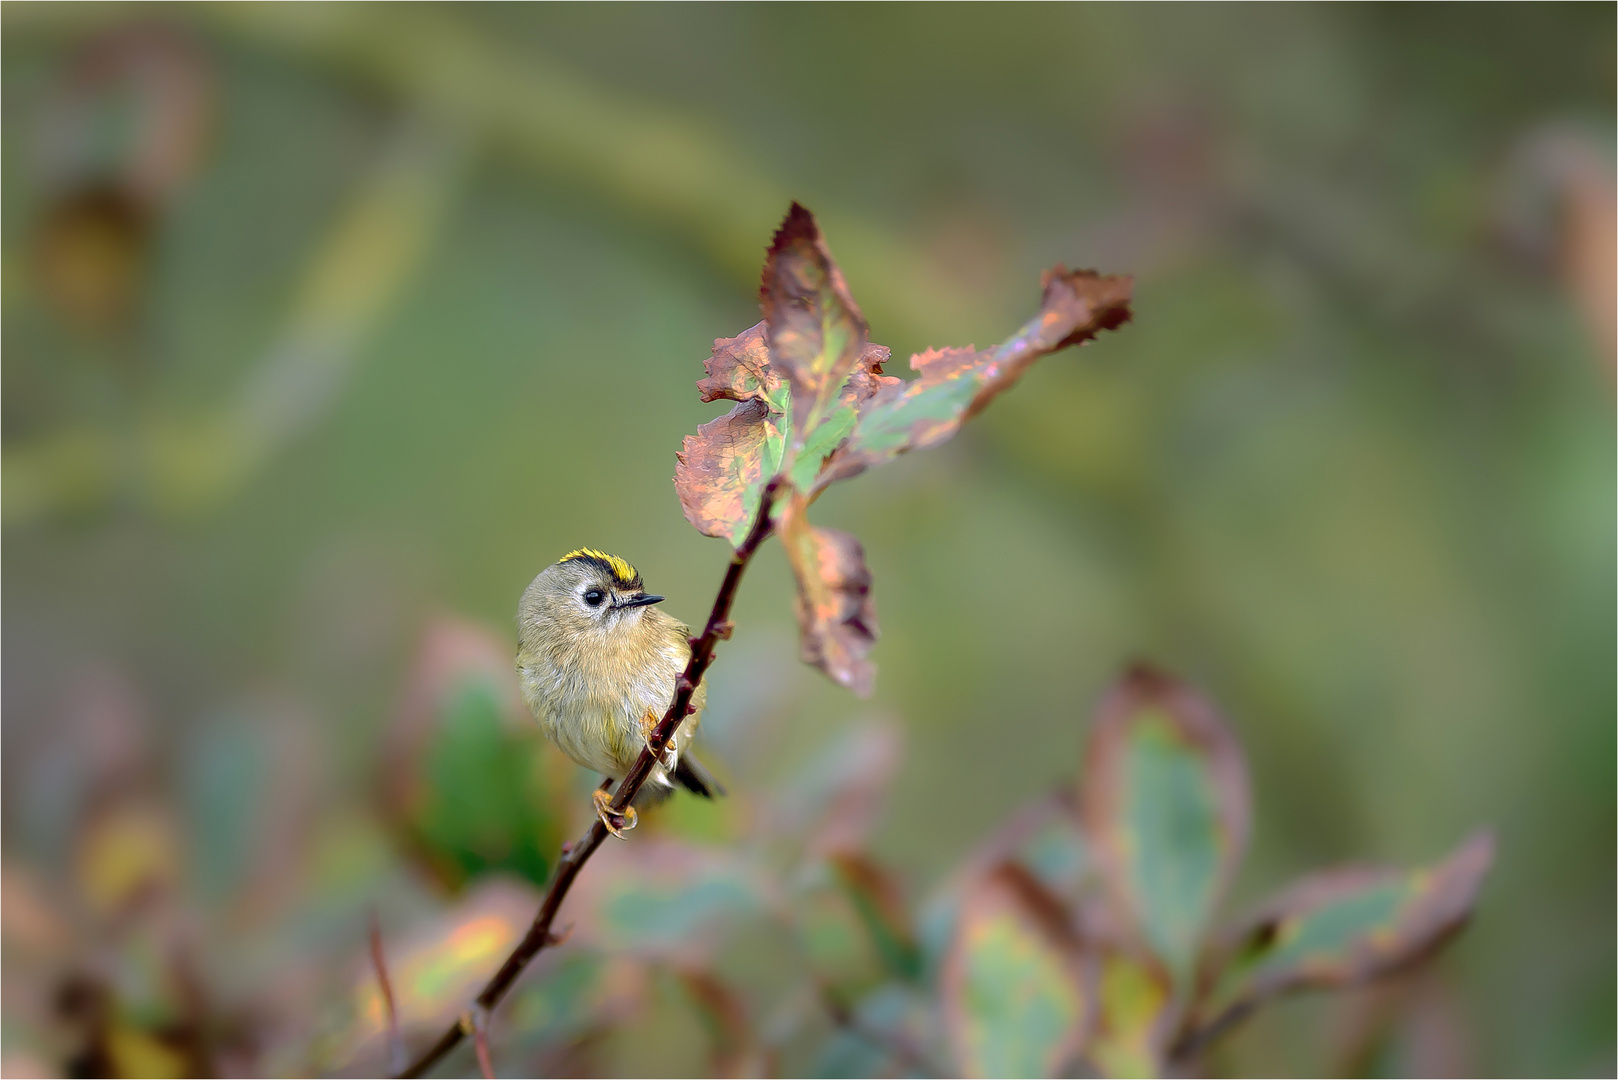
[817, 336]
[1164, 799]
[836, 615]
[722, 469]
[955, 385]
[720, 472]
[739, 369]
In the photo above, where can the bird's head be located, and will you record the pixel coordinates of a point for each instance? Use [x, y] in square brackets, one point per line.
[585, 594]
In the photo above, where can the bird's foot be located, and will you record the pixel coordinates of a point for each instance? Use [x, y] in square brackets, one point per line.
[671, 752]
[617, 824]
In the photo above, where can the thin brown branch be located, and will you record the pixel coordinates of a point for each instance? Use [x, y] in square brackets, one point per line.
[396, 1050]
[575, 855]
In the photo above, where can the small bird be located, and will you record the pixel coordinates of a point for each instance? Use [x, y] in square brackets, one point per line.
[597, 663]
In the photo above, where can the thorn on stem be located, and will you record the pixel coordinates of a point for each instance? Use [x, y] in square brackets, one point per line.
[475, 1022]
[723, 630]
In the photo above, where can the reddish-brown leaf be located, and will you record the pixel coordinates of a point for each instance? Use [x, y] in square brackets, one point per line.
[1164, 799]
[739, 369]
[836, 615]
[720, 471]
[954, 385]
[817, 336]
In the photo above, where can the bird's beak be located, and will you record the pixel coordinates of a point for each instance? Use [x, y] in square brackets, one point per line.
[640, 601]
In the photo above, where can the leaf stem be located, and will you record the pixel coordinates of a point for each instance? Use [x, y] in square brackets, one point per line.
[575, 855]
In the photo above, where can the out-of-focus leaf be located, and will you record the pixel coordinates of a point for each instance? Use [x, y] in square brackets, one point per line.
[133, 1052]
[1016, 997]
[724, 1014]
[836, 615]
[121, 135]
[886, 1034]
[834, 801]
[485, 801]
[665, 900]
[1136, 1009]
[434, 971]
[817, 335]
[127, 851]
[132, 113]
[882, 910]
[183, 464]
[956, 384]
[854, 927]
[1344, 926]
[464, 772]
[562, 996]
[1165, 805]
[1044, 838]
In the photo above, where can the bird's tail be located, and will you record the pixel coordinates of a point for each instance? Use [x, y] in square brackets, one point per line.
[696, 779]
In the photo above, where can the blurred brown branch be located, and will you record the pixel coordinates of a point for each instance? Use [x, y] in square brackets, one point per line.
[575, 855]
[396, 1051]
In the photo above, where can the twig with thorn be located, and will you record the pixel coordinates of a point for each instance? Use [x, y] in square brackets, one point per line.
[574, 856]
[476, 1020]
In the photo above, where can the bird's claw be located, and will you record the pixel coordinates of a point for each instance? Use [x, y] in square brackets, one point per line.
[669, 758]
[616, 823]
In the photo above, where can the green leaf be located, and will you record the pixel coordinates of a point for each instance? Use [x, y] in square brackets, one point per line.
[1345, 926]
[854, 927]
[1165, 805]
[1043, 838]
[1137, 1007]
[955, 385]
[484, 805]
[665, 900]
[1015, 994]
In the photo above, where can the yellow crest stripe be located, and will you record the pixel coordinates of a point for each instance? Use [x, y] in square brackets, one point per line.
[620, 569]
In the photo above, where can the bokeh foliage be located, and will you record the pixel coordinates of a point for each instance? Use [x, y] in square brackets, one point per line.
[401, 328]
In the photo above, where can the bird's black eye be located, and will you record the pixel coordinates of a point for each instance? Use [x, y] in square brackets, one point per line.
[593, 597]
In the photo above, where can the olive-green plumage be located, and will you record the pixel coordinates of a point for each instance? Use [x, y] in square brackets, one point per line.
[597, 664]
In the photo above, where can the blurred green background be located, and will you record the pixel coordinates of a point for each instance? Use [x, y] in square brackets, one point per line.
[327, 327]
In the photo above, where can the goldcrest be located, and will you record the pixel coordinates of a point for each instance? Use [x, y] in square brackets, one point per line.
[597, 662]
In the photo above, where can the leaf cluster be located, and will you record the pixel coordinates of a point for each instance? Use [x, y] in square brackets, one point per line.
[813, 406]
